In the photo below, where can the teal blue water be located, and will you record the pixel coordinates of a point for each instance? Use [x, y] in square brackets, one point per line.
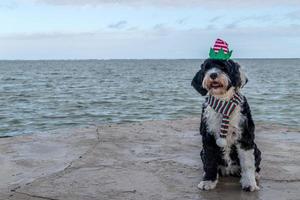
[39, 96]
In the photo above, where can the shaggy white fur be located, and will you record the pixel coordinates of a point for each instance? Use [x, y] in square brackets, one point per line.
[207, 185]
[248, 174]
[221, 142]
[214, 125]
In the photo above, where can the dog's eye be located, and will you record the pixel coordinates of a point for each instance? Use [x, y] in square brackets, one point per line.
[205, 68]
[224, 68]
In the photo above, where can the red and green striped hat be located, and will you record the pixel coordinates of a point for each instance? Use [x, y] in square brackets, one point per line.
[220, 51]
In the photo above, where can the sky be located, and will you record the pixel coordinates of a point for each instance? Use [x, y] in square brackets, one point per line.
[142, 29]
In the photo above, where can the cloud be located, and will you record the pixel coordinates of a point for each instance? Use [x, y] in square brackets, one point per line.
[174, 3]
[276, 31]
[295, 15]
[214, 19]
[159, 26]
[261, 18]
[233, 24]
[253, 18]
[118, 25]
[192, 43]
[44, 35]
[210, 27]
[162, 29]
[133, 28]
[9, 5]
[182, 21]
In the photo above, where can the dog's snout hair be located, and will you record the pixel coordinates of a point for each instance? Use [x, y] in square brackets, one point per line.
[213, 73]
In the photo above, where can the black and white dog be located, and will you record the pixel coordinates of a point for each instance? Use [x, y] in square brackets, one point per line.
[240, 156]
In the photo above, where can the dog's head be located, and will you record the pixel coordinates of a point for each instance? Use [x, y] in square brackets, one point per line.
[218, 76]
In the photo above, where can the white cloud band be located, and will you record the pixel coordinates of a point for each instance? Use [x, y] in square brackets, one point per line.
[174, 3]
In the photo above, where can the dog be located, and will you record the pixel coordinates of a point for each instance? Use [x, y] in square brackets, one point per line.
[237, 155]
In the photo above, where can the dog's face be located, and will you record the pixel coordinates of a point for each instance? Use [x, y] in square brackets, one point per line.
[218, 76]
[216, 81]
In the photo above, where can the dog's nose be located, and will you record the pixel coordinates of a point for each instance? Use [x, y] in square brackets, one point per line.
[213, 75]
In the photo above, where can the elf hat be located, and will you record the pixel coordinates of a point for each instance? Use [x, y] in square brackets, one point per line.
[220, 51]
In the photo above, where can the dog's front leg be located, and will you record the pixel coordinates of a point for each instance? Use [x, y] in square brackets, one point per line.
[247, 163]
[210, 166]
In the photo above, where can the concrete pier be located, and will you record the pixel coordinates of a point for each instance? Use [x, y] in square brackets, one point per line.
[142, 161]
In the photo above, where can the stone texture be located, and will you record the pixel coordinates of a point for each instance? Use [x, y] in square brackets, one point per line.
[149, 160]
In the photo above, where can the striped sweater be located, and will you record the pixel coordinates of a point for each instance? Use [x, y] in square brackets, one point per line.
[226, 108]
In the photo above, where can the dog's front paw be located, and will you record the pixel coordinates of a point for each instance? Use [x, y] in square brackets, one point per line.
[248, 185]
[207, 185]
[250, 188]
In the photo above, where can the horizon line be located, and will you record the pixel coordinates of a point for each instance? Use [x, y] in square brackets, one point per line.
[107, 59]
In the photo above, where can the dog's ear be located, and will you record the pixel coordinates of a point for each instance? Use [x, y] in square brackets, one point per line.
[237, 75]
[197, 81]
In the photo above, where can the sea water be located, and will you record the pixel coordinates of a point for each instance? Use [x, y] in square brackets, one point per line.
[39, 96]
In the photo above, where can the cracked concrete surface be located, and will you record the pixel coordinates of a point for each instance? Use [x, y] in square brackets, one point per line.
[149, 160]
